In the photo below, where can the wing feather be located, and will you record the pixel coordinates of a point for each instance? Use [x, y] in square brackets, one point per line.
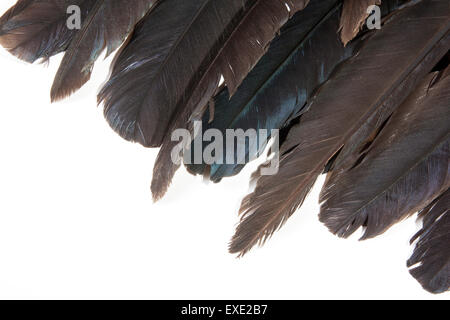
[391, 68]
[354, 16]
[430, 262]
[393, 180]
[162, 59]
[106, 26]
[33, 30]
[241, 49]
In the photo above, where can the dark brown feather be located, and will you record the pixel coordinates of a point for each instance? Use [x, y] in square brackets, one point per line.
[161, 62]
[237, 55]
[407, 167]
[430, 261]
[106, 27]
[299, 60]
[391, 65]
[37, 29]
[14, 10]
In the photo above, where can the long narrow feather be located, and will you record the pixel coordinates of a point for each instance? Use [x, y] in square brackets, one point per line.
[354, 15]
[237, 55]
[407, 167]
[430, 261]
[358, 145]
[107, 26]
[33, 30]
[281, 83]
[391, 65]
[160, 62]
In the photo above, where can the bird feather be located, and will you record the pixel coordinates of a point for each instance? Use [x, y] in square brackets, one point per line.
[160, 61]
[33, 30]
[240, 50]
[392, 181]
[279, 86]
[430, 261]
[354, 16]
[391, 68]
[106, 26]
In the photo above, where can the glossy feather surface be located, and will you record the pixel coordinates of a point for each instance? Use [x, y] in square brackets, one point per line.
[342, 107]
[392, 181]
[242, 47]
[33, 30]
[430, 262]
[106, 27]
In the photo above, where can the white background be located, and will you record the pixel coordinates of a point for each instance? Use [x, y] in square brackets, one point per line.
[77, 218]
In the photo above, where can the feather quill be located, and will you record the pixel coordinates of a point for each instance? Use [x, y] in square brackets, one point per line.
[391, 68]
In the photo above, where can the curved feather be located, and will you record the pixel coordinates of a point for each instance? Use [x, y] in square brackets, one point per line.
[240, 50]
[395, 180]
[280, 84]
[106, 27]
[391, 66]
[159, 63]
[357, 146]
[430, 261]
[37, 29]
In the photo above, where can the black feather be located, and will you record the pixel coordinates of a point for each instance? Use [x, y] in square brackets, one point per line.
[241, 47]
[37, 29]
[279, 85]
[106, 26]
[430, 261]
[394, 180]
[370, 85]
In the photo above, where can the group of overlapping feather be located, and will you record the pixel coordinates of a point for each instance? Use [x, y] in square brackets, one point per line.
[368, 107]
